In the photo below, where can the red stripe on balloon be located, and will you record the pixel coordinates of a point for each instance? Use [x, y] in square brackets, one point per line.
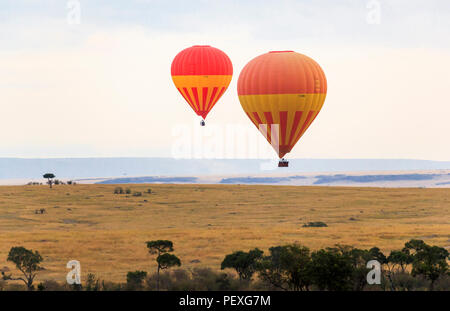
[305, 125]
[297, 117]
[195, 92]
[184, 96]
[189, 98]
[220, 94]
[205, 95]
[283, 124]
[263, 129]
[269, 120]
[211, 99]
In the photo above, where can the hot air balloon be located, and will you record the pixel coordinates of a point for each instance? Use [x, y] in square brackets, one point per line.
[282, 93]
[201, 74]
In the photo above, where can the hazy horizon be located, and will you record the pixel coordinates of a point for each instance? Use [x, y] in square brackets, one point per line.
[73, 168]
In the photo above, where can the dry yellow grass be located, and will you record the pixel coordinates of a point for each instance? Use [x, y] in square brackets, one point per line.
[107, 232]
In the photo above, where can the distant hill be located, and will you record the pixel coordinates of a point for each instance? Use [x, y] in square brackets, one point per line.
[14, 168]
[396, 179]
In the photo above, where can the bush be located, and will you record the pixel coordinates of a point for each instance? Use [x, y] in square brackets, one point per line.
[51, 285]
[404, 281]
[2, 285]
[128, 191]
[135, 279]
[111, 286]
[15, 287]
[200, 279]
[316, 224]
[92, 283]
[137, 194]
[443, 283]
[118, 190]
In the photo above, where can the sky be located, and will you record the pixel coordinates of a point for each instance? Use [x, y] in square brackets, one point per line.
[92, 78]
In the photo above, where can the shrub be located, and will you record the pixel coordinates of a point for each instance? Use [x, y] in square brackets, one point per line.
[111, 286]
[316, 224]
[443, 283]
[2, 285]
[137, 194]
[200, 279]
[118, 190]
[92, 283]
[128, 191]
[404, 281]
[15, 287]
[50, 285]
[135, 279]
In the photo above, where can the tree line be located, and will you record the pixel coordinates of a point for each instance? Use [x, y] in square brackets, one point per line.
[293, 267]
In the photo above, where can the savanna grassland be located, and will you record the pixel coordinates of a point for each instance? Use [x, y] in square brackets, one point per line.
[107, 232]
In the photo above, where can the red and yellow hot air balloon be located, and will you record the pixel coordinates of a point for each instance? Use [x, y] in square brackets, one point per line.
[282, 93]
[201, 74]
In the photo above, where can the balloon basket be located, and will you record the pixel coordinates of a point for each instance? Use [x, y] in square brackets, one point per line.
[202, 123]
[283, 163]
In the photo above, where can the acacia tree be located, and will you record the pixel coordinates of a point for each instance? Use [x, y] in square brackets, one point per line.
[245, 263]
[164, 260]
[332, 269]
[27, 262]
[429, 261]
[287, 267]
[397, 262]
[49, 177]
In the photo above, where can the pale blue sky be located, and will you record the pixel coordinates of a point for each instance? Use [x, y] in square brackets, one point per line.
[404, 23]
[105, 84]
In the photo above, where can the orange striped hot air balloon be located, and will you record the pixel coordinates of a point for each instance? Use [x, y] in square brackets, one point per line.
[201, 74]
[282, 92]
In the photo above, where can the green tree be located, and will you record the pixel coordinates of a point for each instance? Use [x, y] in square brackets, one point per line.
[27, 262]
[397, 263]
[49, 177]
[332, 269]
[159, 247]
[399, 260]
[287, 267]
[375, 253]
[135, 279]
[162, 248]
[245, 263]
[429, 261]
[166, 261]
[358, 259]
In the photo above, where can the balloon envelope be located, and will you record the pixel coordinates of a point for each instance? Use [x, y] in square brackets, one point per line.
[282, 92]
[201, 74]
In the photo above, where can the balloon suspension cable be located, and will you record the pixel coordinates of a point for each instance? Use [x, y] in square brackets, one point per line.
[202, 122]
[283, 163]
